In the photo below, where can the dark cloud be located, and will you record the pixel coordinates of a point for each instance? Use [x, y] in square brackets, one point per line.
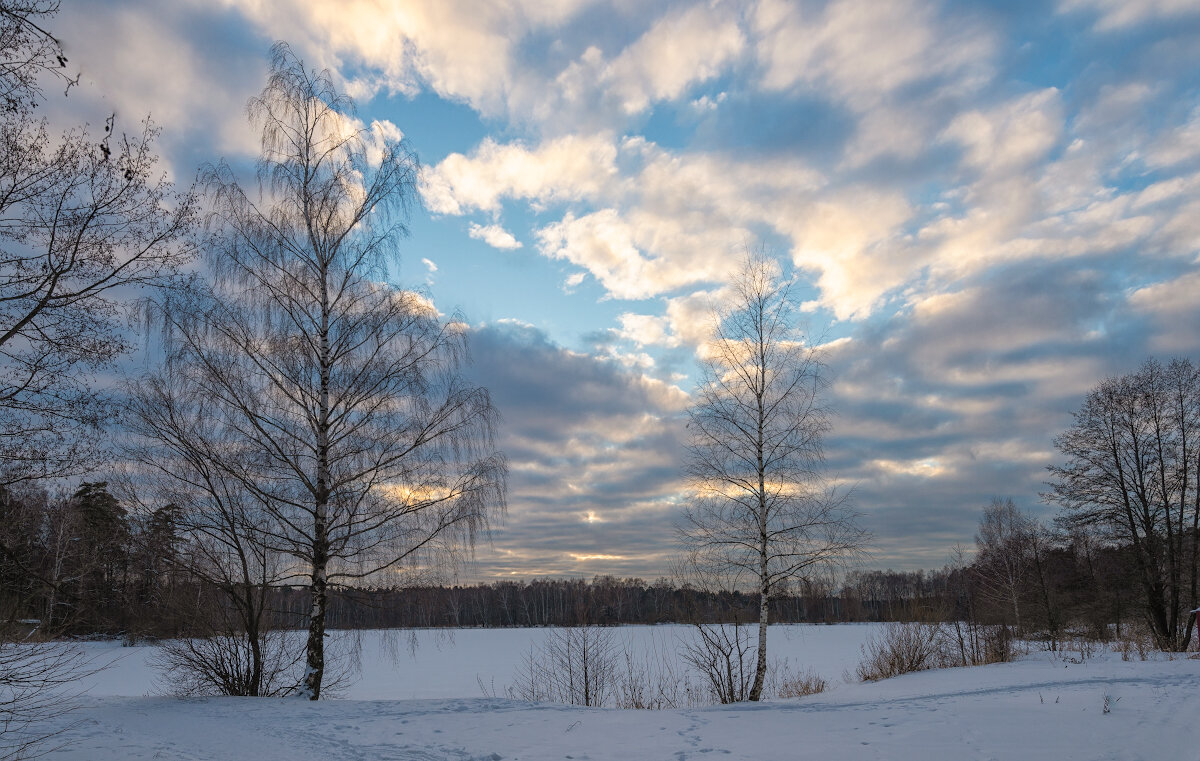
[584, 437]
[959, 398]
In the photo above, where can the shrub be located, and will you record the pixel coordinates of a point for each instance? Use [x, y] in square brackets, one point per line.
[725, 659]
[1134, 641]
[232, 664]
[901, 649]
[792, 685]
[576, 665]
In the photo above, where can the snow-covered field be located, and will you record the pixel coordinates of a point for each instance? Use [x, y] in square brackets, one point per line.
[427, 705]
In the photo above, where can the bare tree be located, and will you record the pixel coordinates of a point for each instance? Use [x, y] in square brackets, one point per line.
[1133, 471]
[30, 51]
[81, 221]
[181, 457]
[763, 513]
[37, 681]
[1003, 554]
[336, 400]
[576, 665]
[722, 654]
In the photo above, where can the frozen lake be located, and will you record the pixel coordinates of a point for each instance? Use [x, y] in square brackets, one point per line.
[452, 663]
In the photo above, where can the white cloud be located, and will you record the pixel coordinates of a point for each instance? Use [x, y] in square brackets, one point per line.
[850, 241]
[705, 103]
[462, 50]
[639, 254]
[898, 66]
[1012, 136]
[682, 48]
[691, 317]
[646, 330]
[862, 50]
[1172, 304]
[649, 222]
[1178, 145]
[1115, 14]
[161, 70]
[495, 236]
[475, 52]
[563, 169]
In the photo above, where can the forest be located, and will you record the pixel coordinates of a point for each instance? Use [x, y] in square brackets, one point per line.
[94, 569]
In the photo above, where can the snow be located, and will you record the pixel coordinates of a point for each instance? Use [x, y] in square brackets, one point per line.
[452, 663]
[1041, 707]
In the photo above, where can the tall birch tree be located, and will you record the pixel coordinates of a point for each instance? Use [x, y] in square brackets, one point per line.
[764, 514]
[335, 401]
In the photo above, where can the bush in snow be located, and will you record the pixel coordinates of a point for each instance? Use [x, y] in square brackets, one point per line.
[789, 684]
[902, 649]
[231, 664]
[587, 666]
[725, 659]
[37, 685]
[577, 665]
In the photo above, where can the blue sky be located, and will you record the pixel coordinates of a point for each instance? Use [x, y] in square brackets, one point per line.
[988, 207]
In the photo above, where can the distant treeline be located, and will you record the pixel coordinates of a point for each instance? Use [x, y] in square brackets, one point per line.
[82, 565]
[1084, 587]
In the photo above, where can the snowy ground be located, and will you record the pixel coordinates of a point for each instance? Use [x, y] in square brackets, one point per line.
[1038, 708]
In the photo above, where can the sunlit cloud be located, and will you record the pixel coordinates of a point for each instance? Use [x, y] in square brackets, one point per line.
[495, 236]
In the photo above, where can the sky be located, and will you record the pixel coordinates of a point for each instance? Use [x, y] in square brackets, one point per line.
[987, 207]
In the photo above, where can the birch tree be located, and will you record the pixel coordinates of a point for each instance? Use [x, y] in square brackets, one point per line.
[1002, 560]
[181, 453]
[763, 514]
[338, 398]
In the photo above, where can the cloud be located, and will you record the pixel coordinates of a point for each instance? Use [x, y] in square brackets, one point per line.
[678, 220]
[1116, 14]
[495, 236]
[563, 169]
[850, 242]
[583, 436]
[1010, 137]
[682, 48]
[461, 50]
[1174, 308]
[430, 268]
[515, 59]
[1179, 145]
[646, 330]
[957, 401]
[861, 51]
[997, 209]
[190, 72]
[616, 248]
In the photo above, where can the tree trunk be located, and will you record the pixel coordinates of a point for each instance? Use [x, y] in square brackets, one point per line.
[764, 578]
[314, 672]
[760, 669]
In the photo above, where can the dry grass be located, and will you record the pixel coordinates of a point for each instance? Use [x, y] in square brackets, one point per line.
[801, 684]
